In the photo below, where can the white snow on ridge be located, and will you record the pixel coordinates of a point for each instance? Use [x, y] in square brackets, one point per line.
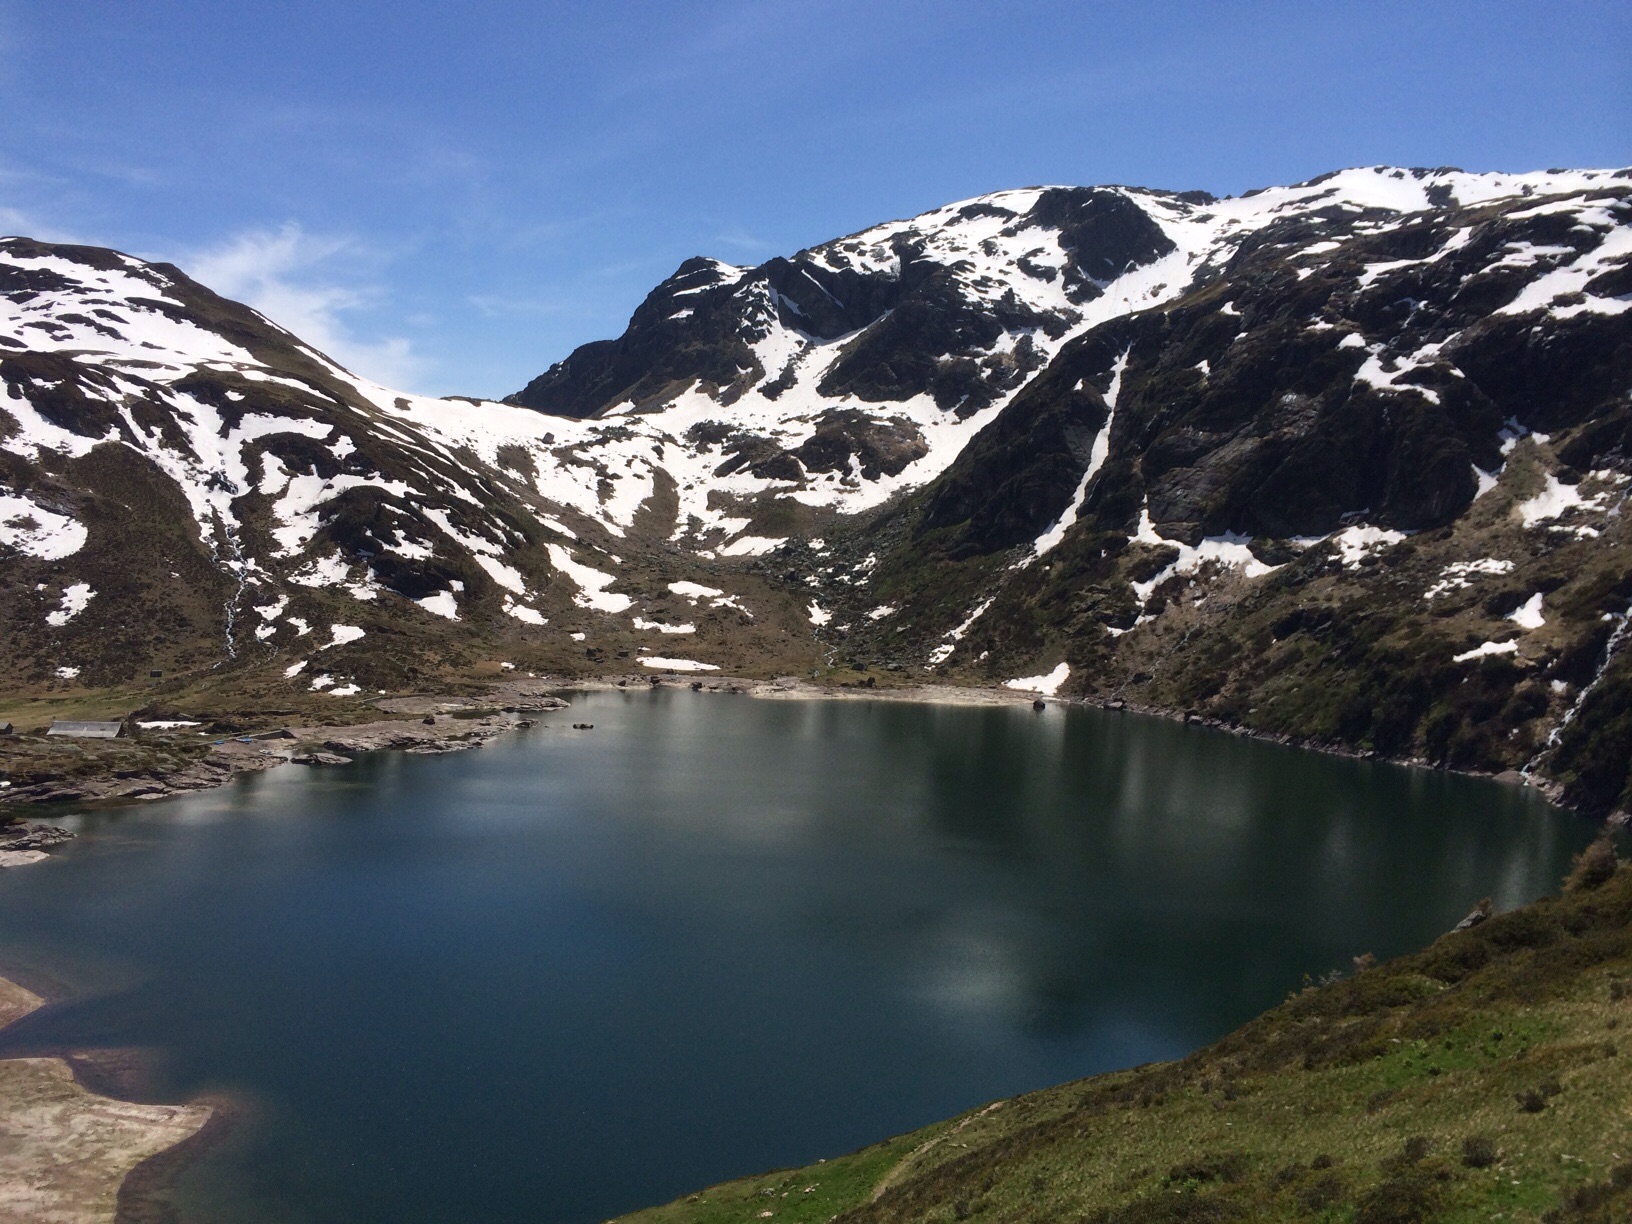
[1096, 460]
[138, 333]
[1571, 279]
[605, 470]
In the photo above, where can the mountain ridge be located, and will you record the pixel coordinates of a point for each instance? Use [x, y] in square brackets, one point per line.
[1342, 461]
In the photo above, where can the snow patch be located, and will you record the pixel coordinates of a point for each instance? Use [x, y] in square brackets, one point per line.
[645, 625]
[591, 583]
[526, 615]
[441, 603]
[38, 532]
[679, 665]
[341, 634]
[1555, 500]
[1048, 684]
[751, 546]
[1456, 576]
[1355, 544]
[695, 591]
[74, 599]
[1229, 550]
[1528, 614]
[1485, 649]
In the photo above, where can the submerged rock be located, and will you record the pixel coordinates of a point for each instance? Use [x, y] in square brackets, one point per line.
[31, 836]
[24, 843]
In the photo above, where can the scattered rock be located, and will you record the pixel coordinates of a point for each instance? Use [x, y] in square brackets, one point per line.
[29, 836]
[1479, 913]
[320, 758]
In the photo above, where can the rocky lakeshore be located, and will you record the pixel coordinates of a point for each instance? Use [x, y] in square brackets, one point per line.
[40, 771]
[154, 764]
[65, 1151]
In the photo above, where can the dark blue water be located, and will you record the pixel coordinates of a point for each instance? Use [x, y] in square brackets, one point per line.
[577, 973]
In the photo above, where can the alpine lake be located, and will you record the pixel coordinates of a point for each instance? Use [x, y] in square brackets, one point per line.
[579, 972]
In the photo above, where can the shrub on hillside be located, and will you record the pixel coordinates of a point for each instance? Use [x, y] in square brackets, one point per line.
[1594, 865]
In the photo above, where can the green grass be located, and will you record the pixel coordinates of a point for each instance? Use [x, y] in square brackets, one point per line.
[804, 1196]
[1488, 1077]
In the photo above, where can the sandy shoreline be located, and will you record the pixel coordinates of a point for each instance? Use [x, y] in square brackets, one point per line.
[65, 1152]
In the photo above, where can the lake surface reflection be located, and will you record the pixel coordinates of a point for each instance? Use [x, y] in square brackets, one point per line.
[577, 973]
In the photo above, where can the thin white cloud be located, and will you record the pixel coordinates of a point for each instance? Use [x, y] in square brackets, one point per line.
[290, 277]
[741, 240]
[15, 221]
[497, 305]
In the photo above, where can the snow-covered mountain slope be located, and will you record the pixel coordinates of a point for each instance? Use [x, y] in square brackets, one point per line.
[1362, 480]
[995, 439]
[863, 366]
[184, 484]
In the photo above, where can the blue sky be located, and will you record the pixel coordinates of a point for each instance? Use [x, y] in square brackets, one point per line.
[450, 197]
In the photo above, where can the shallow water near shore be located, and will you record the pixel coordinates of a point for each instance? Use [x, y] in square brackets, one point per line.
[580, 972]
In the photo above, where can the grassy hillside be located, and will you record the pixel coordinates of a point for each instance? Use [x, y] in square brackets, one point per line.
[1488, 1077]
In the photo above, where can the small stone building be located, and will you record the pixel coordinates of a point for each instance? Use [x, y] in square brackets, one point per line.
[87, 730]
